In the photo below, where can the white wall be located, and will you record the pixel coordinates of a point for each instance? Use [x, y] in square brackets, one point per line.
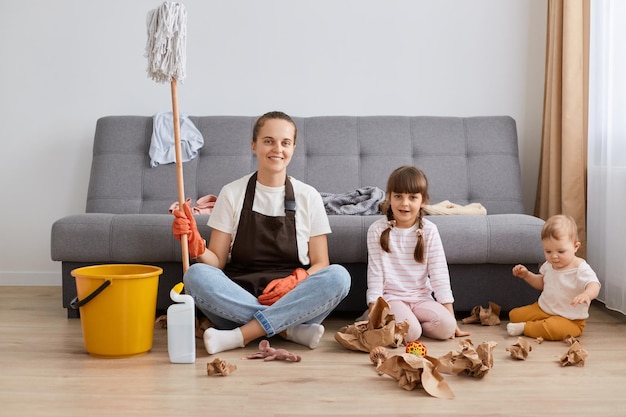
[67, 62]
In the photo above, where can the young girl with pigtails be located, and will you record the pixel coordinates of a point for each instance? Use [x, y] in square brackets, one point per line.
[406, 261]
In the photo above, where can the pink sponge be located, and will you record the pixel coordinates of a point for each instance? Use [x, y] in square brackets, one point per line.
[268, 353]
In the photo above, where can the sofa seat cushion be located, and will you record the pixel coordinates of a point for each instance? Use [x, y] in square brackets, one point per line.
[121, 238]
[491, 239]
[496, 239]
[103, 237]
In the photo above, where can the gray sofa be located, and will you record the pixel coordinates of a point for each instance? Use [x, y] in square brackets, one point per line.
[466, 160]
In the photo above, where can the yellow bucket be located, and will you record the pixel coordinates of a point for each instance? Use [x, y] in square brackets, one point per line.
[117, 308]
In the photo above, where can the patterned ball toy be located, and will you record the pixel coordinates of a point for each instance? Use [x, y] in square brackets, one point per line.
[416, 348]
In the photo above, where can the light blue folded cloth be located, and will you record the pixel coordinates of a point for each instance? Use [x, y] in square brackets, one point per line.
[162, 148]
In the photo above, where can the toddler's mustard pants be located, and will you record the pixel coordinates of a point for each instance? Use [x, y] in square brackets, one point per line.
[541, 324]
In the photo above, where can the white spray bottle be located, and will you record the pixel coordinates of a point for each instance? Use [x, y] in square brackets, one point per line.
[181, 327]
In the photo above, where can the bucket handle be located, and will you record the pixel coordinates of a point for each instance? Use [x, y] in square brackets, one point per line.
[75, 303]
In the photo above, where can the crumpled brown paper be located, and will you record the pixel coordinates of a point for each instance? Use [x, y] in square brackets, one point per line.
[413, 371]
[380, 330]
[575, 355]
[472, 361]
[378, 355]
[220, 367]
[161, 321]
[570, 340]
[520, 349]
[200, 326]
[489, 316]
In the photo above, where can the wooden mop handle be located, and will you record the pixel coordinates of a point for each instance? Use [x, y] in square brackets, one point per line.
[179, 170]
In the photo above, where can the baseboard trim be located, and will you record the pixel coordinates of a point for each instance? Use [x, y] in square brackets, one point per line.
[30, 279]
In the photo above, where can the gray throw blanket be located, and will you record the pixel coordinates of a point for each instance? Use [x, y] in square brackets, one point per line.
[363, 201]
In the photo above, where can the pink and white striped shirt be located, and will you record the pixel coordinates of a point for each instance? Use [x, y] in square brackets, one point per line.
[396, 275]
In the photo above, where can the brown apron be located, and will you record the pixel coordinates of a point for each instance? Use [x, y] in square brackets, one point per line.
[265, 247]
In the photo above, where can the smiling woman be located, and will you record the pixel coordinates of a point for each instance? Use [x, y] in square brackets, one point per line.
[266, 270]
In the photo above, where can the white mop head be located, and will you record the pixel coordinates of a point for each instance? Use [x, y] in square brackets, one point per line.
[166, 46]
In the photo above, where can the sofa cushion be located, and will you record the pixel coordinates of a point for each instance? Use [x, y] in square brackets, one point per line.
[493, 239]
[122, 238]
[102, 237]
[497, 239]
[467, 160]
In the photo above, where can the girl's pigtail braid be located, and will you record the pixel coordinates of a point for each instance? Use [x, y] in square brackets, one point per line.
[384, 236]
[418, 255]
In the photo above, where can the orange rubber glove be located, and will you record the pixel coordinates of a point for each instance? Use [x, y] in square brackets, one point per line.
[281, 286]
[185, 224]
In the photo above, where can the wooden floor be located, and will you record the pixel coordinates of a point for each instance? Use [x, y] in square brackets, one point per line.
[45, 371]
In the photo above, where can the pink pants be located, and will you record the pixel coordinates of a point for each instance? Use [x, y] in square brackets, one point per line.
[427, 317]
[541, 324]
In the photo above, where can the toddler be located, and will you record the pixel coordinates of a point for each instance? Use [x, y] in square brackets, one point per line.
[567, 282]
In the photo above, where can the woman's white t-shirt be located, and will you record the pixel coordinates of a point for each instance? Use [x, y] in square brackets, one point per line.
[311, 218]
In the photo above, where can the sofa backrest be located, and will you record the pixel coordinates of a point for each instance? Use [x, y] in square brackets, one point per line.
[466, 160]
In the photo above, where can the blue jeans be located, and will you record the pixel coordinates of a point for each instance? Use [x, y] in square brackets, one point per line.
[228, 305]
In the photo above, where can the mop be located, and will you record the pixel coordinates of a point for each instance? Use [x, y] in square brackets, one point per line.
[165, 50]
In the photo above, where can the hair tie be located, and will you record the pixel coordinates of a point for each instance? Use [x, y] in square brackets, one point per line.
[391, 223]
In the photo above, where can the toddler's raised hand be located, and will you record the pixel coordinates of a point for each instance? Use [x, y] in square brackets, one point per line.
[520, 271]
